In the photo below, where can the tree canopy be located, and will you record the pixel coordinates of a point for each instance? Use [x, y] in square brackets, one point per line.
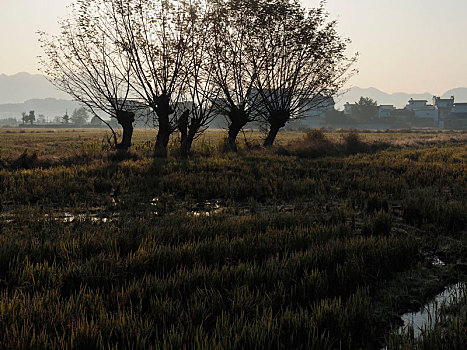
[365, 109]
[265, 61]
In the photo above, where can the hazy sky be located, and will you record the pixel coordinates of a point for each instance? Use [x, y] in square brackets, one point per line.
[404, 45]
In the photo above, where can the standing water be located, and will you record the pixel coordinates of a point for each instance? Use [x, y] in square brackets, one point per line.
[426, 317]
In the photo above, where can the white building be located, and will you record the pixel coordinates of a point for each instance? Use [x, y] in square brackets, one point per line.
[317, 107]
[444, 107]
[443, 103]
[349, 108]
[459, 108]
[416, 104]
[429, 112]
[385, 111]
[422, 110]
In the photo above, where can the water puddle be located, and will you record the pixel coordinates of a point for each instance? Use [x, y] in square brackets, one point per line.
[212, 206]
[94, 215]
[426, 318]
[69, 217]
[437, 261]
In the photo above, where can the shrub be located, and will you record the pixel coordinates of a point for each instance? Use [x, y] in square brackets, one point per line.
[376, 203]
[25, 161]
[314, 144]
[379, 225]
[315, 137]
[353, 143]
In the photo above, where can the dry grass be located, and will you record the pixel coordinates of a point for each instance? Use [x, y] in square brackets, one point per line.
[234, 251]
[53, 144]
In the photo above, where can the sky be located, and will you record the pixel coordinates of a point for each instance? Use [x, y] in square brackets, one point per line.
[412, 46]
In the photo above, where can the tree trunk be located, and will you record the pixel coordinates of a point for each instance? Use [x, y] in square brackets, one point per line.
[277, 120]
[183, 128]
[273, 130]
[126, 120]
[186, 146]
[162, 140]
[231, 141]
[238, 119]
[163, 111]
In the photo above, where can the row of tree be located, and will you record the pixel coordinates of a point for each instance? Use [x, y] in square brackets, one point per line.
[181, 63]
[79, 117]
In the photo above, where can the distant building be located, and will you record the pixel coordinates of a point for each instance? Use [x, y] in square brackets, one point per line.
[457, 119]
[385, 111]
[349, 108]
[443, 113]
[444, 107]
[401, 115]
[459, 108]
[317, 106]
[416, 104]
[423, 113]
[443, 103]
[428, 113]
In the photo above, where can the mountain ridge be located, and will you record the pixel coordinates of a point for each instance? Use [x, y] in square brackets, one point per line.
[23, 86]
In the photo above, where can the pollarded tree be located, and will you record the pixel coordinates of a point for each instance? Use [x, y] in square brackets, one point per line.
[86, 61]
[236, 60]
[198, 110]
[154, 36]
[306, 63]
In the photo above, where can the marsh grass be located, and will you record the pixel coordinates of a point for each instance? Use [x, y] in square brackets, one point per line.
[294, 251]
[447, 329]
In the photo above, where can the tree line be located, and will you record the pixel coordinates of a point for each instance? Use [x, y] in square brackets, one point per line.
[79, 117]
[181, 63]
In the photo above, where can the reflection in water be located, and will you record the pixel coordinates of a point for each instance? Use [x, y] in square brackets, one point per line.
[426, 317]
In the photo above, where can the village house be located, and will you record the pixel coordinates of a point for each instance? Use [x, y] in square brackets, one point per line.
[444, 107]
[416, 104]
[317, 107]
[385, 111]
[349, 108]
[443, 113]
[422, 112]
[457, 119]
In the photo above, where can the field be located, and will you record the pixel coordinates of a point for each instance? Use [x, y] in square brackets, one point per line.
[320, 243]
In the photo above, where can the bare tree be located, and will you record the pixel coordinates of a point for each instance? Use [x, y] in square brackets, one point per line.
[306, 63]
[86, 61]
[153, 35]
[235, 61]
[198, 111]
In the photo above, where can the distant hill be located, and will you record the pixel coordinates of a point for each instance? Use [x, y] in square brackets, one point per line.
[50, 107]
[20, 87]
[460, 94]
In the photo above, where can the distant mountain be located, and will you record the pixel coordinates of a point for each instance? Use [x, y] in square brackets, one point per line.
[50, 107]
[20, 87]
[460, 94]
